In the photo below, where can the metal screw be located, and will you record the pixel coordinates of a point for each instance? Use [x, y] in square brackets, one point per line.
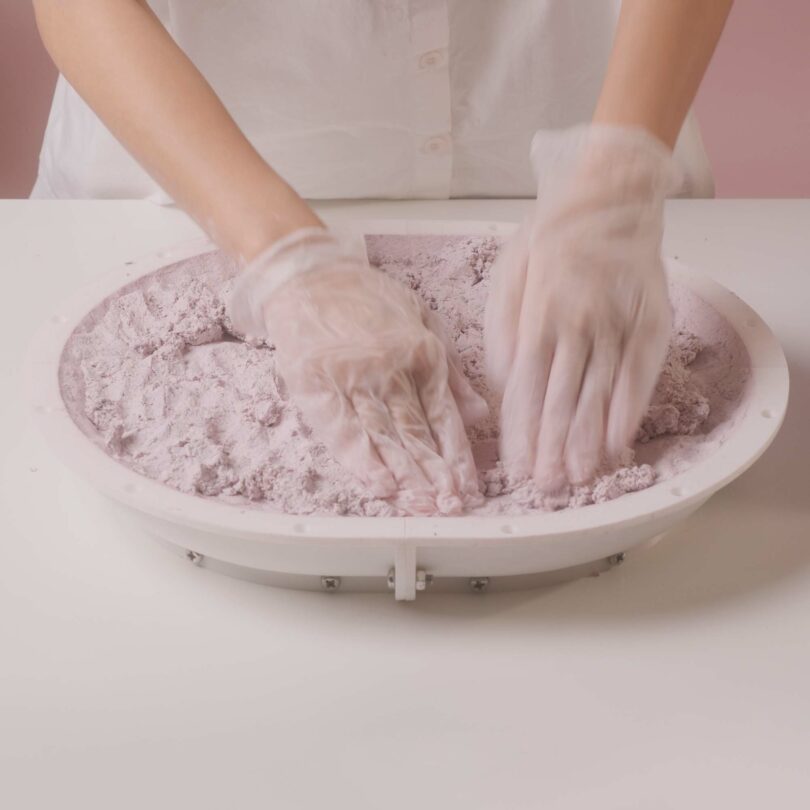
[479, 584]
[194, 557]
[423, 580]
[616, 559]
[330, 583]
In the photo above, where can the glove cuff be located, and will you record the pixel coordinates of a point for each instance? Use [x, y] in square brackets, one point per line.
[556, 154]
[296, 253]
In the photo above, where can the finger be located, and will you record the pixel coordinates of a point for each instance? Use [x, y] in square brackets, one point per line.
[411, 423]
[523, 405]
[471, 405]
[639, 368]
[502, 312]
[564, 384]
[451, 440]
[586, 437]
[414, 492]
[347, 439]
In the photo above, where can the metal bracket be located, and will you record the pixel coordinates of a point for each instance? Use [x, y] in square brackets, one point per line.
[404, 579]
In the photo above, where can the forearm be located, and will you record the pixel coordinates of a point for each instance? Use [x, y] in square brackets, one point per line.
[126, 66]
[661, 51]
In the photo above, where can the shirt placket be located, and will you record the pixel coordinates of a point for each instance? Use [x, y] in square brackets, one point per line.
[430, 85]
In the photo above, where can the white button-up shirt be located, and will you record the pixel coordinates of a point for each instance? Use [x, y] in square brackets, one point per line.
[371, 98]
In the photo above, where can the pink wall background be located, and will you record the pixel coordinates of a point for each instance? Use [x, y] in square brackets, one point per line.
[754, 106]
[27, 76]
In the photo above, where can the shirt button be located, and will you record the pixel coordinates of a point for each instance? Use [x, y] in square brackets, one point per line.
[436, 145]
[430, 59]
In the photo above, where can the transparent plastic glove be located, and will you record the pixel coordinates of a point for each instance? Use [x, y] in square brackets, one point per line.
[578, 318]
[368, 366]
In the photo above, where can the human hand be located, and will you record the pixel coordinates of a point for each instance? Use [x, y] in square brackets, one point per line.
[578, 318]
[368, 366]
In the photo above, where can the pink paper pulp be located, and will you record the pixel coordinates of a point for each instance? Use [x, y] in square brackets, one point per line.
[155, 375]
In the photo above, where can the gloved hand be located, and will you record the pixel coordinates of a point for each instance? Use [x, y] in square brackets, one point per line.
[368, 366]
[578, 318]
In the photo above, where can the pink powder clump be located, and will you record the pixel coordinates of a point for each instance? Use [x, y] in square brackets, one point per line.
[156, 375]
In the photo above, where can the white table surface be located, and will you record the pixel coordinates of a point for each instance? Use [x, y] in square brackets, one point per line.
[131, 679]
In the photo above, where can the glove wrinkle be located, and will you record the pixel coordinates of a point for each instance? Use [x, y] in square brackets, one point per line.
[365, 364]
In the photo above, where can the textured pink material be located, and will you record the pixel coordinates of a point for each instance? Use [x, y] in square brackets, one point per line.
[155, 375]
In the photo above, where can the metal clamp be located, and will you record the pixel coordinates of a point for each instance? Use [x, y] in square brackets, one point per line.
[421, 581]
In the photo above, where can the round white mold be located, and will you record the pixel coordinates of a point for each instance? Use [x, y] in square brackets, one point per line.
[407, 554]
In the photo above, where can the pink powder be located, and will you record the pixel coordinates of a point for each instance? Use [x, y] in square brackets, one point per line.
[157, 377]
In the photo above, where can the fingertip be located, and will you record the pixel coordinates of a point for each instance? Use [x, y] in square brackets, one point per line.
[517, 442]
[497, 359]
[417, 502]
[612, 446]
[515, 457]
[619, 438]
[583, 453]
[550, 476]
[616, 426]
[473, 409]
[617, 451]
[469, 486]
[381, 484]
[448, 503]
[472, 500]
[581, 468]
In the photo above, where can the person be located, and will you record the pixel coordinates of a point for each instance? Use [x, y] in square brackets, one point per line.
[239, 112]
